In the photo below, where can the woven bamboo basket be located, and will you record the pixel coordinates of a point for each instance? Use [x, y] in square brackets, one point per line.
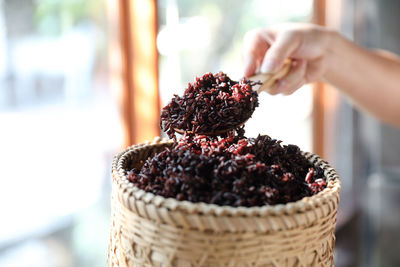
[150, 230]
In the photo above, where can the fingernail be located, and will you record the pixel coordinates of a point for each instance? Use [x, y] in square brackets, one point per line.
[268, 66]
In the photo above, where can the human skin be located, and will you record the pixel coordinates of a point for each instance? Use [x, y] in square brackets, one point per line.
[371, 79]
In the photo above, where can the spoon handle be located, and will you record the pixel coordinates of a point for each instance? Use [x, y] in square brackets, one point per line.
[269, 79]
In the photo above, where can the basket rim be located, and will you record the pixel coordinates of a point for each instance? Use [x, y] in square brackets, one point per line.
[327, 195]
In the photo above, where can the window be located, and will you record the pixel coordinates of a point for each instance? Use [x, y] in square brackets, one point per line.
[59, 130]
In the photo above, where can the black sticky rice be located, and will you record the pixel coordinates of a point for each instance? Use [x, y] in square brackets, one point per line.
[211, 103]
[234, 171]
[230, 169]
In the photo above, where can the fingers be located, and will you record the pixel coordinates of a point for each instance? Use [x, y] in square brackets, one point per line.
[256, 43]
[294, 89]
[282, 48]
[250, 65]
[293, 80]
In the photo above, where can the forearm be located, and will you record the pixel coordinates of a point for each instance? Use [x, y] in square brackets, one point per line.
[371, 80]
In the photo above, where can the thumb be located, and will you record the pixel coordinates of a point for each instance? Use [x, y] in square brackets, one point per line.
[283, 47]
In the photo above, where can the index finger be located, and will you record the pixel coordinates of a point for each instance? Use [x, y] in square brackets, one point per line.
[282, 48]
[256, 44]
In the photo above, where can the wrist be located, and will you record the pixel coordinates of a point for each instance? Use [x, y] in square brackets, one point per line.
[332, 46]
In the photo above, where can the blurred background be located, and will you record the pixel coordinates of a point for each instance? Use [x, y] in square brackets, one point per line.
[82, 79]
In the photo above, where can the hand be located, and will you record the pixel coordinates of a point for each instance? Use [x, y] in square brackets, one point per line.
[307, 45]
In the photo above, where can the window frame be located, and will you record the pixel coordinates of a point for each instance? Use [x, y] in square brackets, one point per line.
[133, 61]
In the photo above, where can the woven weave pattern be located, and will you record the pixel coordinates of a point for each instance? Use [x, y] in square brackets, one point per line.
[149, 230]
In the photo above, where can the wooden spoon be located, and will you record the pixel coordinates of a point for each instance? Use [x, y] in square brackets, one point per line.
[267, 79]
